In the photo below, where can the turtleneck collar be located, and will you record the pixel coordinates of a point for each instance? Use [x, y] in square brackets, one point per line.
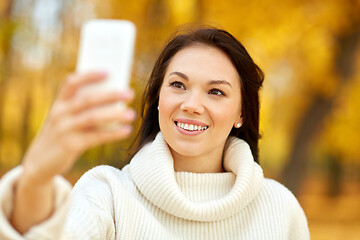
[152, 170]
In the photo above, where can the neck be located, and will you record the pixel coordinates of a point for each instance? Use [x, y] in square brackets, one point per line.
[206, 163]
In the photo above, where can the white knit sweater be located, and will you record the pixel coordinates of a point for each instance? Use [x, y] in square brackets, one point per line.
[148, 200]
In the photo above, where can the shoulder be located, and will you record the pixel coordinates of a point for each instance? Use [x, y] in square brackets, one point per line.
[278, 191]
[279, 200]
[284, 205]
[103, 173]
[280, 205]
[102, 181]
[277, 195]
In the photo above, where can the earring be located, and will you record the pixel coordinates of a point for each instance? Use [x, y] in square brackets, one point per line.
[158, 108]
[238, 125]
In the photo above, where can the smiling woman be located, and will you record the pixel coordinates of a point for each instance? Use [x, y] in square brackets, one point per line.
[195, 171]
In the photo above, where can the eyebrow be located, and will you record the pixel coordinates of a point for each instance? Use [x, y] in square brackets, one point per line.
[212, 82]
[180, 74]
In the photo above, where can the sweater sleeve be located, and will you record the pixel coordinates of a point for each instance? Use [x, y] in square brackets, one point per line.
[52, 228]
[77, 214]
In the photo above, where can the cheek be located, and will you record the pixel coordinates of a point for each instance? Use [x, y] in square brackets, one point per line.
[164, 99]
[226, 114]
[223, 116]
[162, 105]
[167, 105]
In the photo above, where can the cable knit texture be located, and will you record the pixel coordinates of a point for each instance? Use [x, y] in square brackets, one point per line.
[148, 200]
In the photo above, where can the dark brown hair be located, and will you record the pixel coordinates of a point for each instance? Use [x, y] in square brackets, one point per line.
[251, 81]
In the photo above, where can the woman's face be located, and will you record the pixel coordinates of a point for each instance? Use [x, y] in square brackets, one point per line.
[199, 102]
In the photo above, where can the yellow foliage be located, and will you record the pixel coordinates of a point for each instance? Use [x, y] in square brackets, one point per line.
[182, 11]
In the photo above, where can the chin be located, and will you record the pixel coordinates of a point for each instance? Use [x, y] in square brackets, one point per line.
[188, 151]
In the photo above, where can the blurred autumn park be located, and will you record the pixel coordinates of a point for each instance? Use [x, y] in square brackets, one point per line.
[309, 51]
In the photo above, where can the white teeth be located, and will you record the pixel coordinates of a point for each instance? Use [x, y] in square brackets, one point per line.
[191, 127]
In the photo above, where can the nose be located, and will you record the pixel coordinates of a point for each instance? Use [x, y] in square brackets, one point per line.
[193, 104]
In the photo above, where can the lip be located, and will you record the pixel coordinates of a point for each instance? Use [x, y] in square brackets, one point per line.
[189, 121]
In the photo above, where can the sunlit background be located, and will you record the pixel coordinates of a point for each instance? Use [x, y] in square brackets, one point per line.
[309, 51]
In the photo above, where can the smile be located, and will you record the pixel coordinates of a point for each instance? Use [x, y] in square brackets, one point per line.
[191, 127]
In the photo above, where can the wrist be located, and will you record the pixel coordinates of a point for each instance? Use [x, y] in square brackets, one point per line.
[33, 178]
[33, 201]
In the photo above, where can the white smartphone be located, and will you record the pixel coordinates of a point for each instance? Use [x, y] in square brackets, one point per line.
[107, 45]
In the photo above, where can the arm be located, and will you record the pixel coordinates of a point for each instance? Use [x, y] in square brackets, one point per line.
[53, 225]
[33, 202]
[90, 204]
[71, 128]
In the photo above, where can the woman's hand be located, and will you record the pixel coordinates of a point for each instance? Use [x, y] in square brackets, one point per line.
[73, 124]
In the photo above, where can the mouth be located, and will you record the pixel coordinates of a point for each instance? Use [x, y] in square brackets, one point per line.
[191, 127]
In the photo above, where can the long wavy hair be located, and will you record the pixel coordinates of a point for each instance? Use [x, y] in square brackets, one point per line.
[251, 79]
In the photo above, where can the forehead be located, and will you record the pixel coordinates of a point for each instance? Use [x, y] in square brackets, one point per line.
[203, 61]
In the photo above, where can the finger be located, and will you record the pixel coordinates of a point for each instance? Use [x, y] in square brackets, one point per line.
[98, 137]
[76, 81]
[92, 99]
[103, 116]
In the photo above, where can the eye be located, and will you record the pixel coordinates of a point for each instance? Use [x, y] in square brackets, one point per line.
[216, 92]
[177, 84]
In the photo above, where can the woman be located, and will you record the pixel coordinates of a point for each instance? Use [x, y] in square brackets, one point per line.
[194, 174]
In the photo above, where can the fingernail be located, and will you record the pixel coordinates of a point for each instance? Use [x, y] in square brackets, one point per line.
[127, 94]
[131, 114]
[127, 129]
